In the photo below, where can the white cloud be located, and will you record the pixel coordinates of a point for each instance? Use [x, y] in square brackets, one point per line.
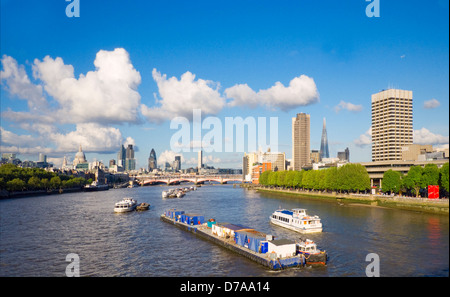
[364, 139]
[347, 106]
[168, 156]
[18, 83]
[106, 95]
[10, 138]
[180, 97]
[301, 91]
[432, 103]
[424, 136]
[91, 136]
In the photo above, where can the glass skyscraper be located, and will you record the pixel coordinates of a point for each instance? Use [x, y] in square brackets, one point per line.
[324, 152]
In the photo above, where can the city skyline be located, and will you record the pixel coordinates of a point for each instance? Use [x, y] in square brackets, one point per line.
[89, 81]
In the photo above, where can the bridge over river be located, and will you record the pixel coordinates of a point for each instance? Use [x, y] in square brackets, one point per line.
[146, 180]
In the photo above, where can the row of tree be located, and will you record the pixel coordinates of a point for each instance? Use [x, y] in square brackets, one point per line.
[15, 179]
[354, 178]
[347, 178]
[417, 179]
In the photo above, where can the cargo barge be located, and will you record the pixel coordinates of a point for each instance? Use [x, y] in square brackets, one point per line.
[245, 241]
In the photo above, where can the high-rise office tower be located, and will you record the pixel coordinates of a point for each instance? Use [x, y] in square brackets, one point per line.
[121, 156]
[130, 161]
[392, 123]
[152, 163]
[200, 159]
[300, 141]
[176, 166]
[324, 153]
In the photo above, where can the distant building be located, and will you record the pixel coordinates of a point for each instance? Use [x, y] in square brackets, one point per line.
[301, 141]
[392, 124]
[200, 159]
[177, 164]
[276, 159]
[417, 152]
[121, 157]
[344, 156]
[324, 152]
[80, 162]
[152, 162]
[315, 156]
[130, 161]
[258, 169]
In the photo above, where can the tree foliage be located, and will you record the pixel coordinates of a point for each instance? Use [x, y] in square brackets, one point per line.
[350, 177]
[14, 179]
[392, 181]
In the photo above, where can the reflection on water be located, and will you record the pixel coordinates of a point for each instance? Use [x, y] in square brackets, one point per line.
[38, 232]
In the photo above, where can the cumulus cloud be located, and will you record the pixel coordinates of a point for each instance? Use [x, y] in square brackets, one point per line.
[180, 97]
[106, 95]
[92, 137]
[16, 82]
[90, 103]
[169, 156]
[347, 106]
[364, 139]
[301, 91]
[10, 138]
[425, 136]
[429, 104]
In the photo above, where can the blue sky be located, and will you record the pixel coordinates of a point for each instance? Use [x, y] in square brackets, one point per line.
[155, 60]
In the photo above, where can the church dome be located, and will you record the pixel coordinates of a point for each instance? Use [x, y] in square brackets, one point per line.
[80, 157]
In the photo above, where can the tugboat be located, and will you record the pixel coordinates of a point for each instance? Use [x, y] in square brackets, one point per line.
[308, 248]
[297, 220]
[143, 206]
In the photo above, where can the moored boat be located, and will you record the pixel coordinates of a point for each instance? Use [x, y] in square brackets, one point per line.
[127, 204]
[296, 220]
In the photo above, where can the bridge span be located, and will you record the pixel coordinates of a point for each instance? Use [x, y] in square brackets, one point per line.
[195, 179]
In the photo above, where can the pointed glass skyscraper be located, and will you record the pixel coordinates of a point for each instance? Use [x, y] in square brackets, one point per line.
[324, 153]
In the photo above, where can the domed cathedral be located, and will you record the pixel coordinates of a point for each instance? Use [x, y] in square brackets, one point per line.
[80, 161]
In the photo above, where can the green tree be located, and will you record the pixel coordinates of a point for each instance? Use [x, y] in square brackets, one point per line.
[34, 183]
[55, 182]
[353, 177]
[281, 178]
[413, 180]
[15, 185]
[290, 178]
[430, 175]
[331, 178]
[443, 177]
[320, 179]
[391, 181]
[272, 181]
[298, 179]
[264, 178]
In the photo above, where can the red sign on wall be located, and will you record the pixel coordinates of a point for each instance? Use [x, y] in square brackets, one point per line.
[433, 192]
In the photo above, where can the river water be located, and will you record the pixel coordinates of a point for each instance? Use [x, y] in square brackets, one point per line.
[37, 233]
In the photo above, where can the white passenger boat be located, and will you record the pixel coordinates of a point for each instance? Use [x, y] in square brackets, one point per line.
[127, 204]
[297, 220]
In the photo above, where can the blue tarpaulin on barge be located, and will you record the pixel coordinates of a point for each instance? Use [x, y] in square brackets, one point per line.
[192, 219]
[250, 238]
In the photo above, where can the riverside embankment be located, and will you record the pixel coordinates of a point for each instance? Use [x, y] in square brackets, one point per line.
[439, 206]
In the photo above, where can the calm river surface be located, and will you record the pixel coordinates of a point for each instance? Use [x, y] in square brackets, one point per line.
[37, 233]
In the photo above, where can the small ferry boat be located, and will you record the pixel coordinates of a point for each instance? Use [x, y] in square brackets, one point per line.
[127, 204]
[143, 206]
[95, 186]
[308, 248]
[297, 220]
